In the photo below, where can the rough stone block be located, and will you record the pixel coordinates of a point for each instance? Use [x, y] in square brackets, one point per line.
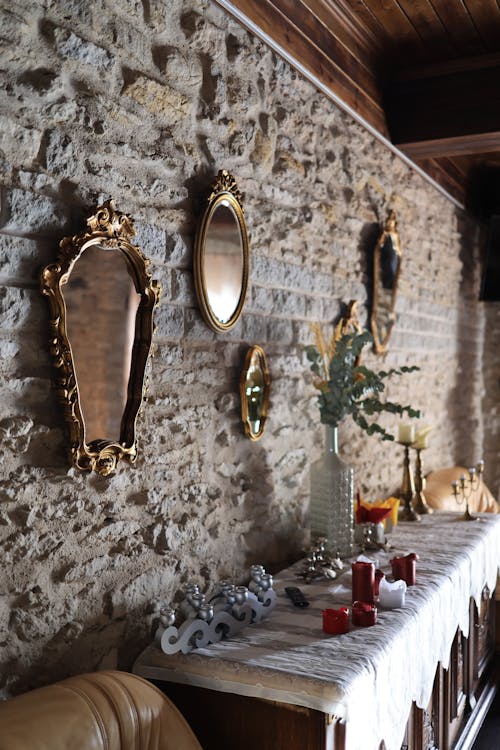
[169, 320]
[151, 240]
[178, 250]
[71, 46]
[196, 328]
[159, 100]
[20, 145]
[61, 156]
[27, 213]
[254, 328]
[183, 291]
[280, 330]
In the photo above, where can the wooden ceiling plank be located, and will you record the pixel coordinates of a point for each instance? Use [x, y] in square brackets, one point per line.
[459, 164]
[453, 169]
[485, 15]
[362, 17]
[306, 23]
[348, 31]
[458, 24]
[399, 30]
[428, 26]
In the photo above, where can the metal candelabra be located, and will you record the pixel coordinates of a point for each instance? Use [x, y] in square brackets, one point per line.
[465, 487]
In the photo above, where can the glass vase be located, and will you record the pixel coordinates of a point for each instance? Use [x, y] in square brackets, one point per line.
[331, 509]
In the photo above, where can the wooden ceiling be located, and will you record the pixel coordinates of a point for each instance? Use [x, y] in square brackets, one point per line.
[425, 74]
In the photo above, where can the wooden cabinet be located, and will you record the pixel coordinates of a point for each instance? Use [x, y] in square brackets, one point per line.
[460, 699]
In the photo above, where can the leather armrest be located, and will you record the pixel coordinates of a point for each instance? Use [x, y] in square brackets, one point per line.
[98, 711]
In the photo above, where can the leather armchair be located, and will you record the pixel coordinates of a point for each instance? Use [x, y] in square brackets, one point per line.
[439, 494]
[98, 711]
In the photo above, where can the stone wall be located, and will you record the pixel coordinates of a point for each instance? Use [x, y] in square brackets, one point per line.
[144, 102]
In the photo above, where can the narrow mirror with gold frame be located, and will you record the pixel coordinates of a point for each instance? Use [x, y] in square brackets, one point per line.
[386, 272]
[255, 384]
[101, 299]
[221, 261]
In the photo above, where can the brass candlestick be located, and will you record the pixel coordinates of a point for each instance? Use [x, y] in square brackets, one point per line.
[420, 503]
[407, 488]
[464, 488]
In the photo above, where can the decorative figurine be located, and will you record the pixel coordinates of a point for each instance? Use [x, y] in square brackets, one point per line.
[319, 564]
[203, 621]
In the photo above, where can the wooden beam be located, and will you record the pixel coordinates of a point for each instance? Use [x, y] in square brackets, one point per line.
[447, 110]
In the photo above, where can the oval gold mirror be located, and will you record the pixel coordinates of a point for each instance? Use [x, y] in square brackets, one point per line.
[255, 384]
[386, 270]
[101, 332]
[221, 263]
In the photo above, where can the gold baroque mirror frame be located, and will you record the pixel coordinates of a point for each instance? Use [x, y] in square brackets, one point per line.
[221, 260]
[386, 271]
[107, 312]
[255, 384]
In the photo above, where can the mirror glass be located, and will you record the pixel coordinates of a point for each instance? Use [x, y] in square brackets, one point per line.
[221, 258]
[254, 389]
[386, 270]
[223, 261]
[100, 320]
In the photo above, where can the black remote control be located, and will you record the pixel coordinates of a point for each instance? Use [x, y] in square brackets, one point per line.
[296, 596]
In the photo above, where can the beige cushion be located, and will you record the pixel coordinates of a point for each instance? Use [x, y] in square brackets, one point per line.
[439, 494]
[99, 711]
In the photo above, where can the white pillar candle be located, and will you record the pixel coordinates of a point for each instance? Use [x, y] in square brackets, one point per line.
[391, 595]
[422, 437]
[406, 433]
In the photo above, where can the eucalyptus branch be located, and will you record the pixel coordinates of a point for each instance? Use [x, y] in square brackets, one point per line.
[349, 389]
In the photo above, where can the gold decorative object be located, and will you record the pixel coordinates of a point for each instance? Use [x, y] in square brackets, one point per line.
[419, 502]
[465, 487]
[101, 270]
[255, 384]
[408, 513]
[221, 262]
[386, 270]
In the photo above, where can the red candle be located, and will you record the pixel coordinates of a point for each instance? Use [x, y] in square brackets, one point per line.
[405, 568]
[364, 614]
[363, 582]
[378, 577]
[336, 621]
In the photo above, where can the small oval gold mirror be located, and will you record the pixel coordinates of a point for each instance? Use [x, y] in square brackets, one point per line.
[255, 384]
[221, 263]
[386, 270]
[101, 331]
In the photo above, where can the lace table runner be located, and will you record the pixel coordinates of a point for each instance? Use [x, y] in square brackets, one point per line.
[370, 676]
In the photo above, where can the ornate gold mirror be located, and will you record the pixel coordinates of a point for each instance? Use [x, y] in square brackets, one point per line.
[100, 339]
[386, 270]
[255, 384]
[221, 261]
